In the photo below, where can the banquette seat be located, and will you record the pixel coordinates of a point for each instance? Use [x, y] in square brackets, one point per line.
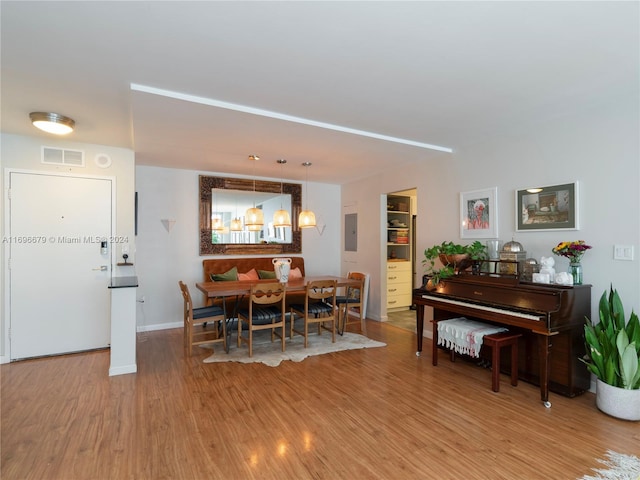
[243, 265]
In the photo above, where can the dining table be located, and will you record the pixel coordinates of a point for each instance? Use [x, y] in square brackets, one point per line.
[214, 290]
[240, 288]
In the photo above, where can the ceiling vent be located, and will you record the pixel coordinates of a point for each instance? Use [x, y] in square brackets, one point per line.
[62, 156]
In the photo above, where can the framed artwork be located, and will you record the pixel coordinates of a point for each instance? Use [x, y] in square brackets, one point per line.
[479, 213]
[547, 208]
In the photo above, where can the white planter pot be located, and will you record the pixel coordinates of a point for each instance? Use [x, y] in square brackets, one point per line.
[618, 402]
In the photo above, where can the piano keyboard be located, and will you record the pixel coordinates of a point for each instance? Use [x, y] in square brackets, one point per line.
[503, 311]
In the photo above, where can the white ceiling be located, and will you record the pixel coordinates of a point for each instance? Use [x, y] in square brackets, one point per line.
[443, 73]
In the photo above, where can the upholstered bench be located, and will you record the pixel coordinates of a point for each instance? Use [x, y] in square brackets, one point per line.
[236, 268]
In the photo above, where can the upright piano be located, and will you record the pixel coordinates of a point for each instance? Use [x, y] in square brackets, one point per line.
[549, 317]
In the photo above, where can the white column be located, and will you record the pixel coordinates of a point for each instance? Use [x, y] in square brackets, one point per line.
[123, 325]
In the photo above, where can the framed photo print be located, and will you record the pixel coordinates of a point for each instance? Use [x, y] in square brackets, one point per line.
[547, 208]
[479, 213]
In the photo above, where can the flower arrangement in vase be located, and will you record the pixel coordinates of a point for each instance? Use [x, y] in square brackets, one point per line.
[574, 252]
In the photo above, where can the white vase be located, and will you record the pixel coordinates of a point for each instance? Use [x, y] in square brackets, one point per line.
[282, 267]
[618, 402]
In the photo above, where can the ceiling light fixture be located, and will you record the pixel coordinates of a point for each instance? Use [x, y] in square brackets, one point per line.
[281, 218]
[52, 122]
[254, 218]
[307, 218]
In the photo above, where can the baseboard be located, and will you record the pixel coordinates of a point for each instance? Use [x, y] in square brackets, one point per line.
[123, 370]
[159, 326]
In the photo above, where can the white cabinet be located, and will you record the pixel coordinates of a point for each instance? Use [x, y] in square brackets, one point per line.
[399, 284]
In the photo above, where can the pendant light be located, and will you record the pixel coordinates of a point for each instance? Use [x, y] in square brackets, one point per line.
[217, 225]
[281, 218]
[307, 218]
[236, 222]
[236, 225]
[254, 218]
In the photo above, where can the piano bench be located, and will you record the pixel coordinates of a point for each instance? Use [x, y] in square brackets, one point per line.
[496, 341]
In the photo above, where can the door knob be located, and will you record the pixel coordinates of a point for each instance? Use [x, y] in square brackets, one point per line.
[102, 268]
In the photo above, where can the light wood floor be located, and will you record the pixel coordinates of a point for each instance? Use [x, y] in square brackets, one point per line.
[380, 413]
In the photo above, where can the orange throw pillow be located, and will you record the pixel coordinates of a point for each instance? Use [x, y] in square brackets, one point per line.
[250, 275]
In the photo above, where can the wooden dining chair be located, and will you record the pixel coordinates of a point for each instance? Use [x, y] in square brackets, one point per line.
[266, 310]
[352, 302]
[202, 325]
[318, 308]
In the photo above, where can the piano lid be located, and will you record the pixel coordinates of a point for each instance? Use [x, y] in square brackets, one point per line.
[501, 290]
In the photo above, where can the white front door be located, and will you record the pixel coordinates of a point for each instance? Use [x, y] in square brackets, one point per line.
[58, 275]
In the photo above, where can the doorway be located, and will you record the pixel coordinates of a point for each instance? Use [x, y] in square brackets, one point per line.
[400, 257]
[59, 266]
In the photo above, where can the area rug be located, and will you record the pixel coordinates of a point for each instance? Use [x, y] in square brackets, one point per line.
[271, 354]
[619, 467]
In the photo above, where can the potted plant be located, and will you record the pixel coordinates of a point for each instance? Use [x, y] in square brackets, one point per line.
[613, 356]
[454, 258]
[432, 274]
[451, 253]
[477, 251]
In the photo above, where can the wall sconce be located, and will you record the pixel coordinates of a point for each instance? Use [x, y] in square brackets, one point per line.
[168, 224]
[52, 122]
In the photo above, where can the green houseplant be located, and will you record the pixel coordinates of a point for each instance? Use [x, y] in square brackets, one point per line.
[435, 274]
[613, 356]
[453, 257]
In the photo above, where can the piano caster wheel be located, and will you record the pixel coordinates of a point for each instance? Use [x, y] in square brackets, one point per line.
[547, 404]
[417, 354]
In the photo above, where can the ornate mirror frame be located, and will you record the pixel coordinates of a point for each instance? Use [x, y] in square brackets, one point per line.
[208, 183]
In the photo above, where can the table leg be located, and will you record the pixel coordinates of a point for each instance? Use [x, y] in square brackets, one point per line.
[419, 326]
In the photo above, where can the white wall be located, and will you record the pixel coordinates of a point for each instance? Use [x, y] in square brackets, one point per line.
[598, 148]
[23, 152]
[164, 258]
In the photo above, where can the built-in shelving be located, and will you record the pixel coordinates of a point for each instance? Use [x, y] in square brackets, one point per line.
[399, 271]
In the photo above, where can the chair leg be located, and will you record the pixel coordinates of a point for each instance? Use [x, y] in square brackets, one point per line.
[333, 330]
[514, 363]
[341, 320]
[292, 318]
[224, 335]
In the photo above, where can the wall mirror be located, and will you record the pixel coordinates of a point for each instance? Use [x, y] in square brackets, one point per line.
[225, 199]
